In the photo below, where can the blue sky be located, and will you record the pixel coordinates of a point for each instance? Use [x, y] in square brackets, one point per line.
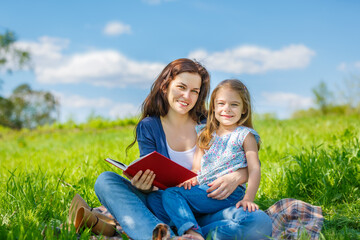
[102, 57]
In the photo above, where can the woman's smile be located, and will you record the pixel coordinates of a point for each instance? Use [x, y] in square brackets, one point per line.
[183, 103]
[183, 92]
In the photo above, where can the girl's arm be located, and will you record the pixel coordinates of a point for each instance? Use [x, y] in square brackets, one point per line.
[251, 152]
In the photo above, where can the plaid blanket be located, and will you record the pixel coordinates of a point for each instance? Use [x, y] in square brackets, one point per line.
[291, 218]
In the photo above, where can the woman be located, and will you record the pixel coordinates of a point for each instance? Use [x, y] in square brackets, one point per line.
[175, 105]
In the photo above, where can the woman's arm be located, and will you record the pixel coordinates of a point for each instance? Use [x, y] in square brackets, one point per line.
[225, 185]
[251, 152]
[145, 137]
[146, 141]
[196, 166]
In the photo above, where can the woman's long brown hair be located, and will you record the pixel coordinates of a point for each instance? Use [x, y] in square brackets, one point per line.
[204, 140]
[156, 103]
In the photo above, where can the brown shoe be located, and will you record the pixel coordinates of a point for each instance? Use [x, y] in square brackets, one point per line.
[161, 232]
[81, 215]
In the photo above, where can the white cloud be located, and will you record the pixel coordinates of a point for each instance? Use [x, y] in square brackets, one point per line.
[122, 110]
[113, 69]
[357, 64]
[97, 67]
[46, 46]
[77, 101]
[104, 68]
[83, 106]
[117, 28]
[291, 101]
[346, 67]
[46, 51]
[342, 66]
[254, 59]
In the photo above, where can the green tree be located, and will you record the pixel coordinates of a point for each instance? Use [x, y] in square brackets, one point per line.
[32, 108]
[11, 57]
[323, 97]
[350, 90]
[25, 107]
[6, 110]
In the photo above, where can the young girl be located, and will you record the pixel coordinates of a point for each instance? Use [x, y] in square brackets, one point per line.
[225, 144]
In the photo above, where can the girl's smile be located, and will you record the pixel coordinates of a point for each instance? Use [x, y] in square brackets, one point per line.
[228, 107]
[226, 116]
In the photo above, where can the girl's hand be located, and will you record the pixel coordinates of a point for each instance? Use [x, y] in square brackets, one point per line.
[189, 183]
[222, 187]
[251, 206]
[143, 181]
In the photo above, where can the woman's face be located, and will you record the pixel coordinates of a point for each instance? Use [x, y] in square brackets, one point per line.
[183, 92]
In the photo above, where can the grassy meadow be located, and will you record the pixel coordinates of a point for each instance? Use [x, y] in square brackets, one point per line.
[316, 160]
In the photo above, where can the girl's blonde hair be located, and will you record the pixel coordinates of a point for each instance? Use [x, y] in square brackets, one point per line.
[204, 140]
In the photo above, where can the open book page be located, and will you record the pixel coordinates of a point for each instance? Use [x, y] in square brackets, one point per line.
[123, 166]
[117, 163]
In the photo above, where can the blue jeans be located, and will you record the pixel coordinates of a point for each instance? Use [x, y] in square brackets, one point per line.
[181, 204]
[131, 207]
[228, 223]
[127, 204]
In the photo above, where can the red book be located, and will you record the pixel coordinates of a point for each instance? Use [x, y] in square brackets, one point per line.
[168, 173]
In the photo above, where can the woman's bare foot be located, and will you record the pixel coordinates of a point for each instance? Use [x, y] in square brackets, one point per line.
[191, 234]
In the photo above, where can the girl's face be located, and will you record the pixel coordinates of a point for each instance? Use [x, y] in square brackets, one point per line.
[228, 107]
[183, 92]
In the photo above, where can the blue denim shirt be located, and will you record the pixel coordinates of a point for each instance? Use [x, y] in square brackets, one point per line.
[151, 136]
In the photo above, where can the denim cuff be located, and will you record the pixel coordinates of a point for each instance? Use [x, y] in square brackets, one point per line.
[189, 225]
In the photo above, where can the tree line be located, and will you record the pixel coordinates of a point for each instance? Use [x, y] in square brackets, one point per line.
[344, 101]
[25, 107]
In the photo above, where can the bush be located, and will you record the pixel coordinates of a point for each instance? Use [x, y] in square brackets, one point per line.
[331, 110]
[326, 176]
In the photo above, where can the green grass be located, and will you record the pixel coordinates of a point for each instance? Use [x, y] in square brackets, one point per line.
[316, 160]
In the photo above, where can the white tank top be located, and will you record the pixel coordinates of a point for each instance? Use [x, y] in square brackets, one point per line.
[184, 158]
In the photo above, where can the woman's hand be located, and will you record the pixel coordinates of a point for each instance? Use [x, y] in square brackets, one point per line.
[222, 187]
[225, 185]
[247, 205]
[143, 181]
[189, 183]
